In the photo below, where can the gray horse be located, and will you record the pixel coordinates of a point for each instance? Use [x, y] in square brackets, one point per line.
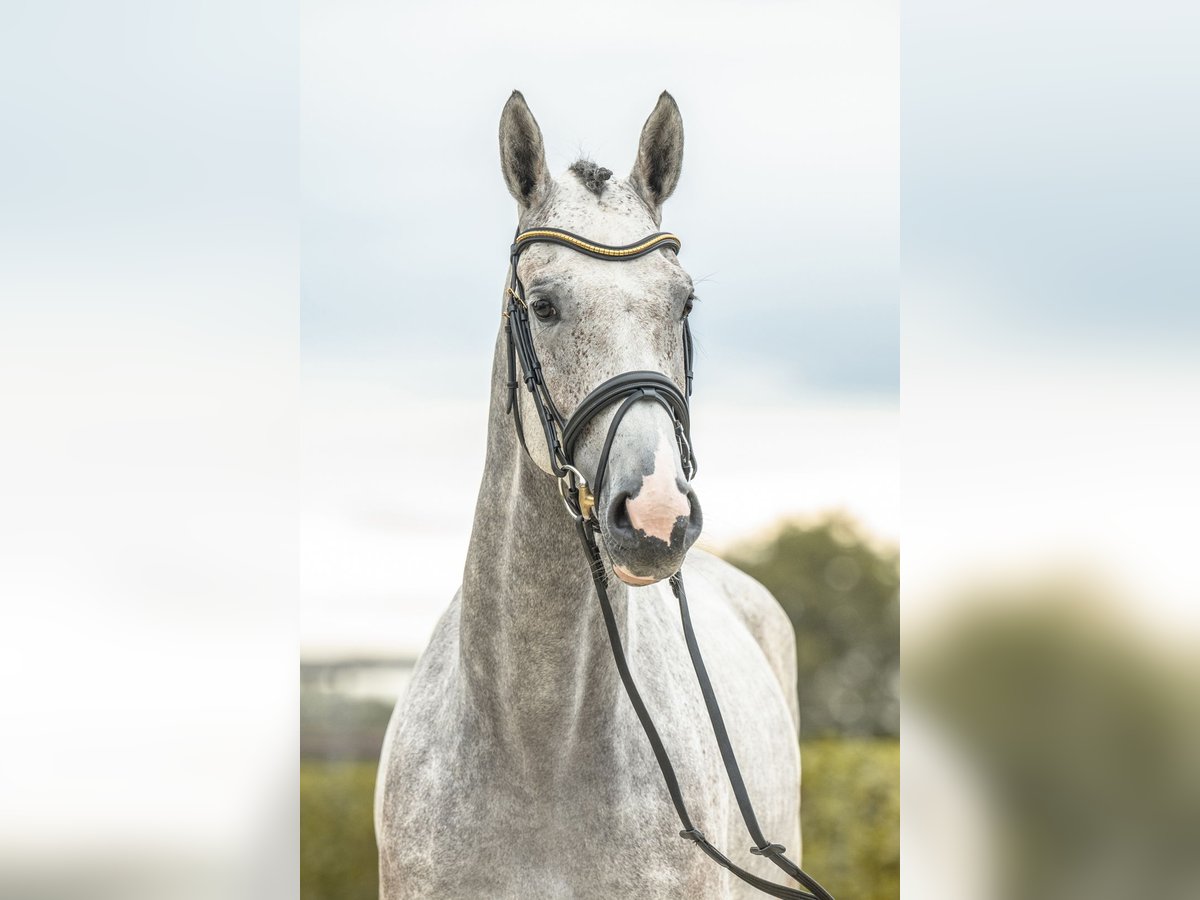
[515, 766]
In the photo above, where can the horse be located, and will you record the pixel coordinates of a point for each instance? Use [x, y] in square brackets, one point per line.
[514, 766]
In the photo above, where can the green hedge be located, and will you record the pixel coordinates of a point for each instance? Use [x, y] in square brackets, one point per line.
[851, 817]
[337, 831]
[850, 813]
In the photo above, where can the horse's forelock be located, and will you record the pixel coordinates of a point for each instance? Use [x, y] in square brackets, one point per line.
[594, 177]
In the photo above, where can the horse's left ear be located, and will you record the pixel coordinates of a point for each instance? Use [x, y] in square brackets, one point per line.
[660, 154]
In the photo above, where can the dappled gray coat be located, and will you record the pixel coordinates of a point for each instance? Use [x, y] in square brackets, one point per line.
[514, 766]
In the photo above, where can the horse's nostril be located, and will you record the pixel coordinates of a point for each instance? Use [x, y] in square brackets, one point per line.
[618, 513]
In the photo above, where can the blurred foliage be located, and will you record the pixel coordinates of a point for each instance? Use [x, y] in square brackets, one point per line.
[850, 813]
[841, 592]
[338, 860]
[1086, 735]
[850, 802]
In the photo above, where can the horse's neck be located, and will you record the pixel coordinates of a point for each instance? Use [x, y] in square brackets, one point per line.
[534, 652]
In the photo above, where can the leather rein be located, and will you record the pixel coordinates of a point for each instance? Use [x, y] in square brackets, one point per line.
[562, 435]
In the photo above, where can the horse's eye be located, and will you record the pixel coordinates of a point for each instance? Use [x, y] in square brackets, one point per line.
[543, 309]
[688, 304]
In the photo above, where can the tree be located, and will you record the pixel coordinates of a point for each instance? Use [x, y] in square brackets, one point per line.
[841, 590]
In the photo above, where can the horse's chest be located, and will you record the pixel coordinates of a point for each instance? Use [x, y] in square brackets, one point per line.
[583, 812]
[554, 849]
[590, 822]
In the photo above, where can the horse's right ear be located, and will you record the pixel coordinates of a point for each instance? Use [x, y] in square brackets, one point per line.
[522, 157]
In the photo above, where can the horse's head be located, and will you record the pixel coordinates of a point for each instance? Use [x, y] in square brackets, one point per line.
[593, 319]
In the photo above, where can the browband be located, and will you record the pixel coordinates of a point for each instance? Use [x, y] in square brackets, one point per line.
[601, 251]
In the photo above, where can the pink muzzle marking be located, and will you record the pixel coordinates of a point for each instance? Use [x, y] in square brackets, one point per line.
[659, 503]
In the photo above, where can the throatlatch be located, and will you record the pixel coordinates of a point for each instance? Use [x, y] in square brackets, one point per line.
[562, 435]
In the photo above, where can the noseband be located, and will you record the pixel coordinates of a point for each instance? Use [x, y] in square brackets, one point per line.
[562, 436]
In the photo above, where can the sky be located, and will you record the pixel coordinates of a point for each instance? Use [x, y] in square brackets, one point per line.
[787, 207]
[1049, 294]
[1028, 296]
[788, 211]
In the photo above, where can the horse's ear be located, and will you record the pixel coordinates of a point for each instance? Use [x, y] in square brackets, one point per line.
[660, 154]
[522, 157]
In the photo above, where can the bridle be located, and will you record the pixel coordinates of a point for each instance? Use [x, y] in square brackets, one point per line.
[562, 435]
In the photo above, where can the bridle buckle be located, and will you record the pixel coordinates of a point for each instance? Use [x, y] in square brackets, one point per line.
[587, 501]
[685, 451]
[579, 500]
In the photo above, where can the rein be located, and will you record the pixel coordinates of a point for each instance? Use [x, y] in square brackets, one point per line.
[562, 435]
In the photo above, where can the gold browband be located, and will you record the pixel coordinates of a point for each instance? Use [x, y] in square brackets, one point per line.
[601, 249]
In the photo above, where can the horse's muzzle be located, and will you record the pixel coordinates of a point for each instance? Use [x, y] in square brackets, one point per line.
[648, 537]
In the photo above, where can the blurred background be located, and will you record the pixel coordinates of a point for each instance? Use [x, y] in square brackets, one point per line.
[163, 435]
[788, 209]
[149, 449]
[1051, 384]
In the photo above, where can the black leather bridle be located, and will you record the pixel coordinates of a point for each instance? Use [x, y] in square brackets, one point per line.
[562, 435]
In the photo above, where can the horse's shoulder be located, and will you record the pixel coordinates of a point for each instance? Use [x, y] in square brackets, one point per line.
[440, 654]
[752, 603]
[758, 610]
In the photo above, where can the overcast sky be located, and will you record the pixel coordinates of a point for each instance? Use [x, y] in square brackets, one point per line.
[788, 211]
[787, 206]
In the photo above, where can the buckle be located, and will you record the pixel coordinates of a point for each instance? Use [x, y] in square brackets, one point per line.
[579, 500]
[685, 451]
[769, 850]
